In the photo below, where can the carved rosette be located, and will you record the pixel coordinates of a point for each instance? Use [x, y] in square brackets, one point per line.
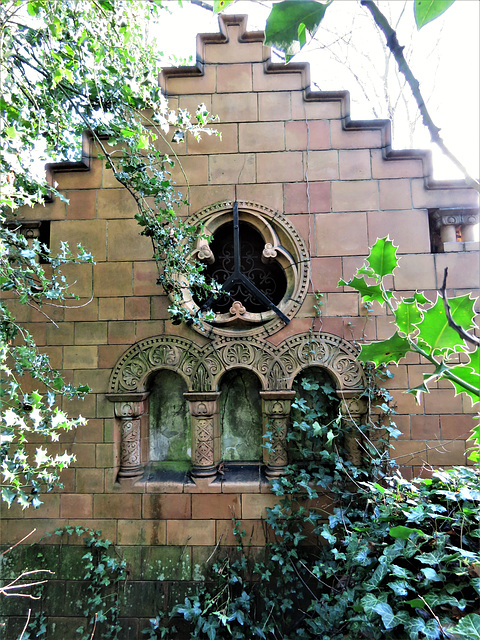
[276, 414]
[129, 411]
[205, 432]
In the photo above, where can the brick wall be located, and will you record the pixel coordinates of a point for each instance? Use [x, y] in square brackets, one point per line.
[341, 185]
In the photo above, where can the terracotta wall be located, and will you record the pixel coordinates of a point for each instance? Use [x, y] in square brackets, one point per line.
[339, 183]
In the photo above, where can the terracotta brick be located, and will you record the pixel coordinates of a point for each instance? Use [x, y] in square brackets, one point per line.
[17, 529]
[354, 139]
[395, 194]
[463, 270]
[208, 144]
[125, 242]
[408, 168]
[111, 308]
[235, 107]
[84, 309]
[231, 51]
[293, 328]
[125, 506]
[203, 196]
[223, 506]
[409, 452]
[336, 231]
[193, 84]
[459, 426]
[326, 272]
[398, 225]
[80, 357]
[424, 427]
[261, 136]
[167, 507]
[106, 456]
[280, 167]
[194, 167]
[415, 272]
[234, 78]
[159, 307]
[267, 193]
[446, 453]
[82, 204]
[50, 507]
[90, 432]
[434, 198]
[300, 135]
[359, 329]
[254, 505]
[137, 308]
[231, 168]
[115, 203]
[315, 109]
[91, 234]
[90, 179]
[145, 279]
[355, 164]
[405, 403]
[108, 355]
[402, 423]
[38, 331]
[121, 332]
[76, 506]
[321, 165]
[274, 106]
[90, 333]
[140, 532]
[275, 80]
[79, 278]
[342, 304]
[442, 401]
[254, 530]
[361, 195]
[113, 279]
[148, 328]
[416, 371]
[194, 532]
[191, 102]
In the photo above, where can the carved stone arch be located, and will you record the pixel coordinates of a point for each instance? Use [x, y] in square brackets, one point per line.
[334, 354]
[141, 360]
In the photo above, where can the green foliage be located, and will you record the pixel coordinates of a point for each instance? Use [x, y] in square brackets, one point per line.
[422, 327]
[427, 10]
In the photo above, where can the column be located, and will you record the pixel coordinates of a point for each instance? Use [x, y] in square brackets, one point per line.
[205, 426]
[276, 416]
[128, 410]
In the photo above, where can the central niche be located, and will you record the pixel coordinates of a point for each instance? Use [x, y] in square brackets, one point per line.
[241, 417]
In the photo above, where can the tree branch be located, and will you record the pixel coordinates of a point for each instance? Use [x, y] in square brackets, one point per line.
[397, 51]
[465, 335]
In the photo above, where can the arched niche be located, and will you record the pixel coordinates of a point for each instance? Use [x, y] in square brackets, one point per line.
[169, 432]
[241, 423]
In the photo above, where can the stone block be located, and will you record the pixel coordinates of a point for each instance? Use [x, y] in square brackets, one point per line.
[321, 165]
[354, 138]
[203, 196]
[195, 171]
[184, 85]
[415, 272]
[113, 279]
[314, 109]
[395, 194]
[342, 304]
[407, 452]
[80, 357]
[233, 168]
[111, 308]
[408, 168]
[225, 506]
[456, 426]
[301, 135]
[194, 532]
[109, 354]
[124, 506]
[167, 563]
[234, 78]
[76, 506]
[91, 234]
[50, 507]
[209, 144]
[115, 203]
[446, 452]
[235, 107]
[106, 456]
[463, 270]
[90, 333]
[142, 532]
[82, 310]
[398, 225]
[326, 272]
[145, 275]
[81, 204]
[274, 106]
[254, 505]
[338, 233]
[424, 198]
[424, 427]
[89, 480]
[167, 507]
[191, 102]
[80, 279]
[254, 533]
[232, 52]
[270, 193]
[261, 136]
[355, 164]
[137, 308]
[125, 242]
[286, 166]
[360, 195]
[275, 80]
[80, 179]
[440, 401]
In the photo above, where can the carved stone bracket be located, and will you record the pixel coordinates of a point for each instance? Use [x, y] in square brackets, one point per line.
[276, 415]
[128, 409]
[450, 221]
[205, 432]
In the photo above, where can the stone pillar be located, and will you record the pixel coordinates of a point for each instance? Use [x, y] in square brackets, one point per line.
[353, 408]
[204, 413]
[276, 415]
[128, 409]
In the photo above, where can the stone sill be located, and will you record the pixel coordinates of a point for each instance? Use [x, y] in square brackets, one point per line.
[461, 246]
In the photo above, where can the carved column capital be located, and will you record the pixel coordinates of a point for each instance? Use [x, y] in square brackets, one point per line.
[276, 415]
[128, 409]
[205, 432]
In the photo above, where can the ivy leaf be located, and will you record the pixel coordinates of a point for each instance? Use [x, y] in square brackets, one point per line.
[288, 21]
[468, 627]
[434, 328]
[391, 350]
[407, 315]
[404, 532]
[427, 10]
[383, 257]
[220, 5]
[384, 610]
[368, 292]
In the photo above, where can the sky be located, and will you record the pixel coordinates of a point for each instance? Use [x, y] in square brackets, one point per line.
[348, 53]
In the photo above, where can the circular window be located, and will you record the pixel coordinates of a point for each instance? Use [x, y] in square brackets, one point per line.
[261, 263]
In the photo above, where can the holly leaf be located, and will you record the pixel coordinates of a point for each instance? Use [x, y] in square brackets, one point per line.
[468, 627]
[383, 257]
[391, 350]
[468, 377]
[407, 316]
[427, 10]
[220, 5]
[368, 292]
[288, 21]
[434, 328]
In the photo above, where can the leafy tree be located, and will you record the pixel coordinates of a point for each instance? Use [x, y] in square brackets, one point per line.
[67, 68]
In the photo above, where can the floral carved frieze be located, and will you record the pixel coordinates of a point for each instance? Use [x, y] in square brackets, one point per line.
[203, 367]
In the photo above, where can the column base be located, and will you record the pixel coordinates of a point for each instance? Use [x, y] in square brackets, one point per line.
[204, 472]
[131, 472]
[274, 472]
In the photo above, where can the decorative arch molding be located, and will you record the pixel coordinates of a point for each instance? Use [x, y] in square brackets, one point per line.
[202, 369]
